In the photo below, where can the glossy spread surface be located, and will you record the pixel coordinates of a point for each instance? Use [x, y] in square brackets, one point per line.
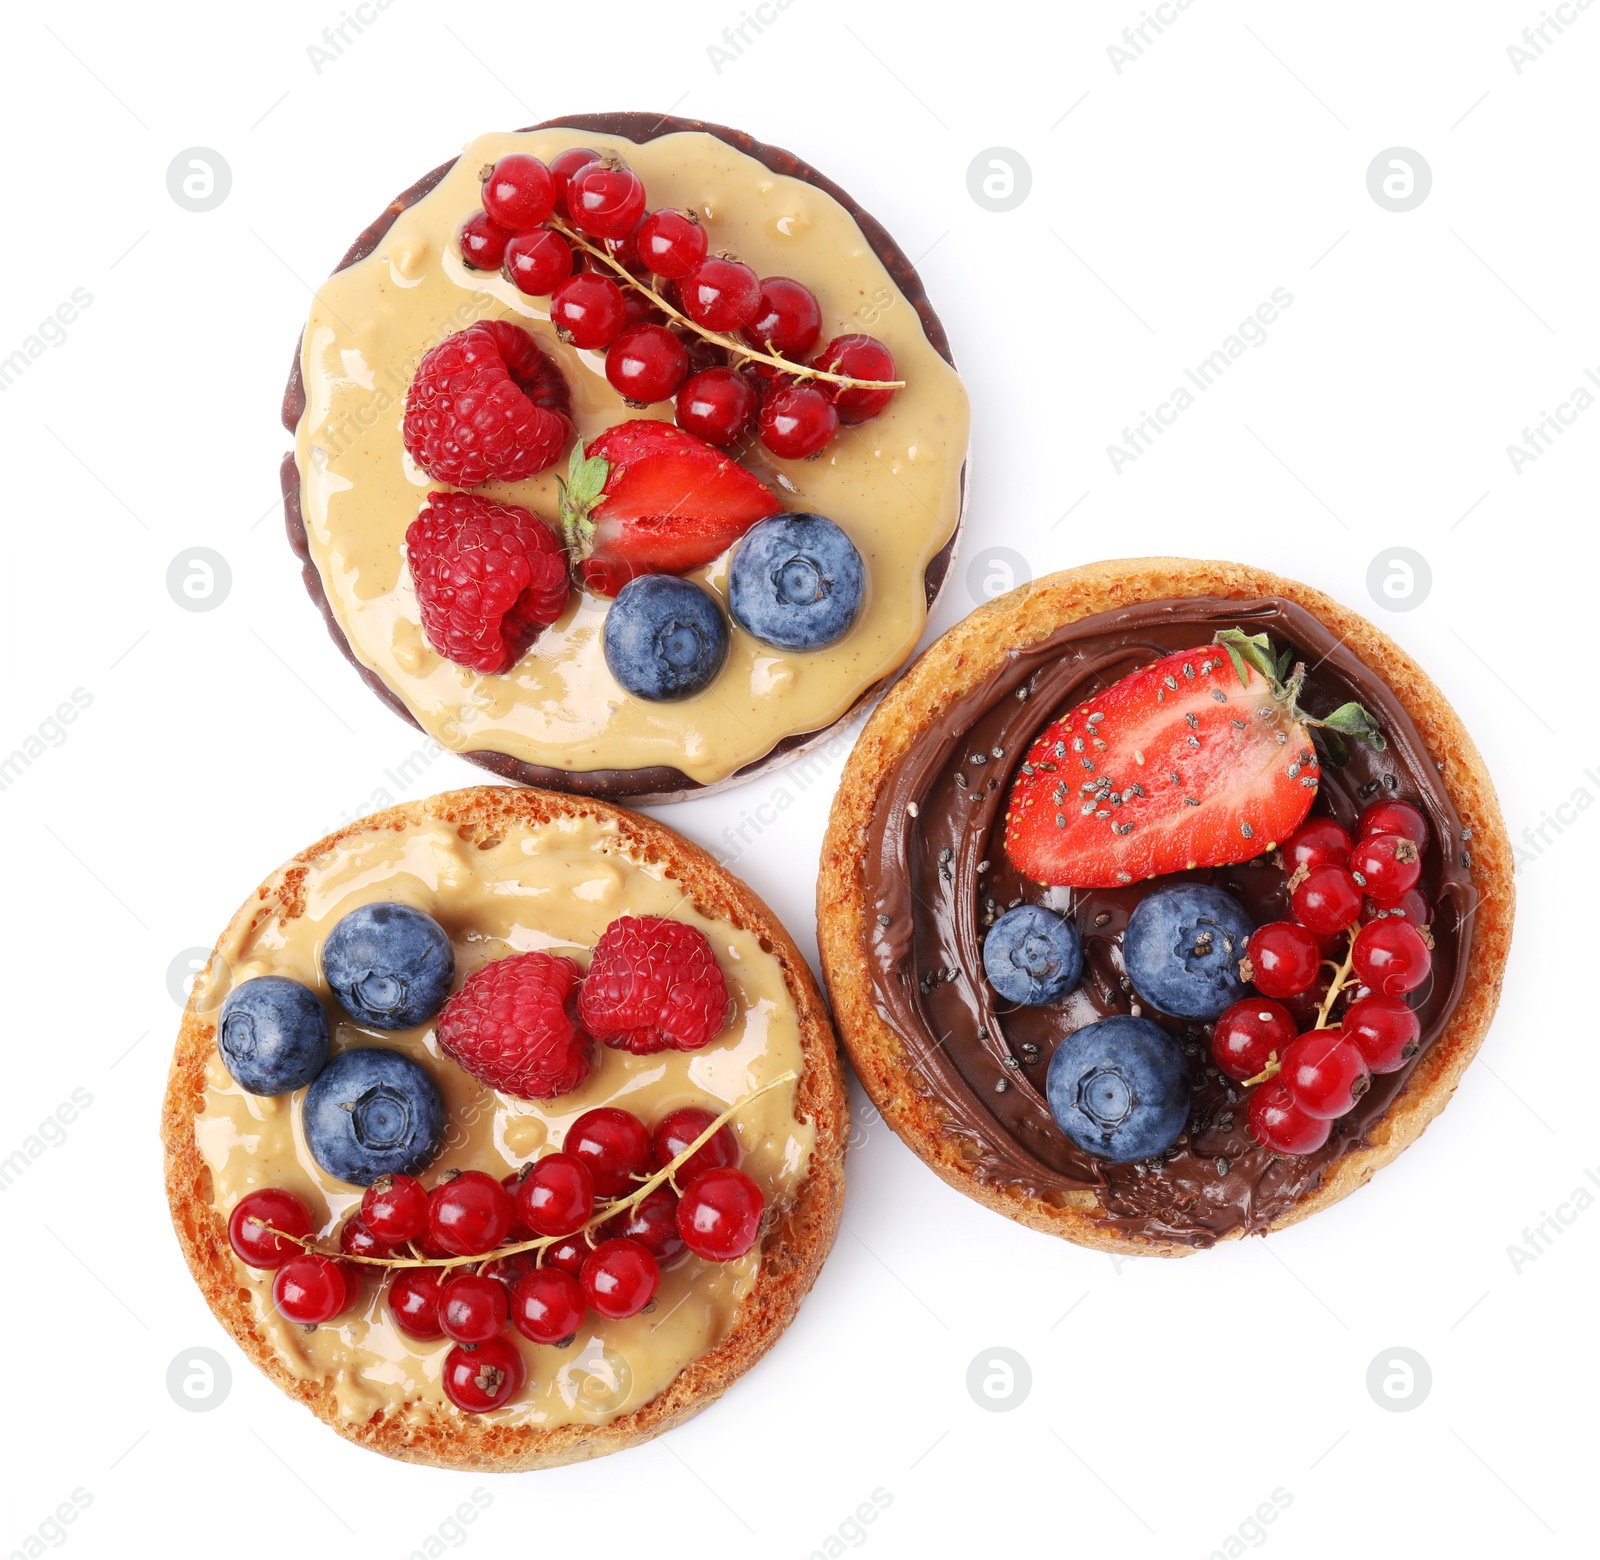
[893, 483]
[554, 887]
[937, 872]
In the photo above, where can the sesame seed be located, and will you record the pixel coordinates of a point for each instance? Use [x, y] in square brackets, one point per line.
[961, 779]
[1101, 814]
[1061, 820]
[983, 866]
[1138, 757]
[1173, 777]
[1205, 667]
[1027, 769]
[911, 809]
[1000, 1086]
[1022, 692]
[1170, 680]
[1309, 781]
[1123, 877]
[1282, 738]
[1190, 801]
[1188, 669]
[1219, 696]
[997, 752]
[1294, 771]
[1088, 763]
[978, 758]
[1099, 745]
[1194, 741]
[1097, 716]
[1061, 750]
[883, 920]
[1247, 831]
[1122, 828]
[1192, 721]
[1087, 808]
[1077, 744]
[946, 854]
[1103, 919]
[1238, 723]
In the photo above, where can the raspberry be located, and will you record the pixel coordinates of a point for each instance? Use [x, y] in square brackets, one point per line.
[489, 577]
[653, 985]
[514, 1026]
[486, 405]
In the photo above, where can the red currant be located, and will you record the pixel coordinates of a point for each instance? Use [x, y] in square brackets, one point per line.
[472, 1307]
[645, 364]
[1390, 957]
[653, 1222]
[547, 1305]
[719, 1215]
[1327, 901]
[587, 310]
[788, 318]
[720, 293]
[556, 1196]
[614, 1144]
[483, 242]
[797, 421]
[704, 354]
[508, 1269]
[605, 202]
[1276, 1122]
[1248, 1036]
[859, 357]
[519, 192]
[310, 1289]
[717, 405]
[671, 243]
[1318, 842]
[568, 1255]
[638, 310]
[487, 1377]
[563, 166]
[1388, 864]
[678, 1129]
[395, 1208]
[538, 262]
[248, 1233]
[1324, 1073]
[1285, 959]
[620, 1278]
[1395, 818]
[1386, 1030]
[414, 1302]
[356, 1240]
[1410, 906]
[518, 1230]
[625, 251]
[469, 1214]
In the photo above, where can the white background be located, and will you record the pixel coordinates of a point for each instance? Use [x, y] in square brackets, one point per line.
[1229, 158]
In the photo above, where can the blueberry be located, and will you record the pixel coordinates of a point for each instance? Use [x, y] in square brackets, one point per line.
[389, 965]
[1032, 956]
[373, 1112]
[796, 582]
[1119, 1088]
[273, 1036]
[1182, 950]
[664, 637]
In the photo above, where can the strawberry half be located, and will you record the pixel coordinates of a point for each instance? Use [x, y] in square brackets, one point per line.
[1199, 759]
[648, 498]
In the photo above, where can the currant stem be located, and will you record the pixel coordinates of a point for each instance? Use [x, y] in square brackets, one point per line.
[1341, 979]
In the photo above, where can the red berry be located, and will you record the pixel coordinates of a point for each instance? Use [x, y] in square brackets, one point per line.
[1386, 1030]
[547, 1305]
[605, 202]
[620, 1278]
[1395, 818]
[1249, 1034]
[678, 1129]
[645, 364]
[625, 251]
[472, 1307]
[483, 1378]
[797, 421]
[859, 357]
[1285, 959]
[538, 262]
[508, 1269]
[717, 405]
[1318, 842]
[719, 1214]
[1276, 1122]
[1388, 864]
[519, 192]
[414, 1302]
[788, 318]
[587, 310]
[652, 1221]
[483, 242]
[1410, 906]
[514, 1026]
[613, 1144]
[721, 294]
[1390, 957]
[671, 243]
[310, 1289]
[653, 985]
[556, 1196]
[356, 1240]
[637, 309]
[395, 1208]
[568, 1255]
[563, 166]
[1327, 901]
[248, 1235]
[704, 354]
[469, 1214]
[1324, 1073]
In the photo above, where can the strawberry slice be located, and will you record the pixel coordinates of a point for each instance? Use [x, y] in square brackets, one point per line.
[1199, 759]
[648, 498]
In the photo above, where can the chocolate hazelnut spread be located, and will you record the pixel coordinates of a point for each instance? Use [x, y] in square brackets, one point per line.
[938, 875]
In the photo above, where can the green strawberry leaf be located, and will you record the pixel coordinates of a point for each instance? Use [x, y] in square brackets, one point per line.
[580, 492]
[1248, 650]
[1354, 721]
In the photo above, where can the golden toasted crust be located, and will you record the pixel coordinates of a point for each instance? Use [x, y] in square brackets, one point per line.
[955, 664]
[791, 1254]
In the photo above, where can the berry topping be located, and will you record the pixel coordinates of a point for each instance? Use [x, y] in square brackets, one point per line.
[1395, 818]
[469, 1214]
[537, 263]
[253, 1218]
[646, 363]
[372, 1112]
[587, 310]
[671, 243]
[788, 319]
[514, 1026]
[1182, 949]
[1327, 900]
[1390, 957]
[614, 1145]
[653, 1222]
[717, 404]
[414, 1302]
[356, 1240]
[1249, 1036]
[547, 1305]
[620, 1277]
[518, 192]
[562, 168]
[857, 357]
[272, 1036]
[796, 582]
[1283, 960]
[310, 1289]
[483, 1378]
[486, 405]
[797, 421]
[1033, 956]
[1276, 1122]
[719, 1215]
[568, 1254]
[389, 965]
[1119, 1088]
[483, 242]
[556, 1196]
[664, 638]
[678, 1129]
[654, 985]
[721, 294]
[1324, 1073]
[395, 1208]
[490, 578]
[1387, 864]
[1385, 1030]
[472, 1307]
[604, 199]
[1318, 842]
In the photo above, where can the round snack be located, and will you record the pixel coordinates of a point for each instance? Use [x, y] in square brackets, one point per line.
[465, 1328]
[1162, 751]
[548, 411]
